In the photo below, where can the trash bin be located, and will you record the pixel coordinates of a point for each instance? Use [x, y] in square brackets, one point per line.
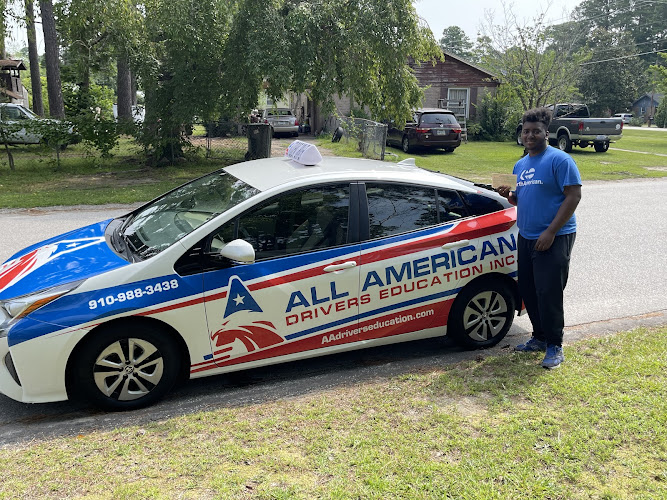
[259, 141]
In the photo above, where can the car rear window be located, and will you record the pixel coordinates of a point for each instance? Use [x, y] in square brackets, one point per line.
[438, 118]
[280, 112]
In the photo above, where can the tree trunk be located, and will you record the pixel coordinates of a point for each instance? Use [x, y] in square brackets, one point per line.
[3, 29]
[53, 85]
[35, 79]
[124, 85]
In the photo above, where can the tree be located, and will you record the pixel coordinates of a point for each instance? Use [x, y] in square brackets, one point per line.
[522, 56]
[3, 28]
[35, 77]
[609, 81]
[455, 40]
[54, 87]
[225, 51]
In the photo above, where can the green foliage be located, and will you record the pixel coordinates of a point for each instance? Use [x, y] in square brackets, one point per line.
[609, 82]
[98, 131]
[85, 100]
[523, 58]
[498, 115]
[55, 134]
[455, 40]
[661, 114]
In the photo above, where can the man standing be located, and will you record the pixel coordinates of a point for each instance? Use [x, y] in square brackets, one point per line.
[547, 194]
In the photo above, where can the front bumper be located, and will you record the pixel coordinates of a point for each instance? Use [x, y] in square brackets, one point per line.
[8, 384]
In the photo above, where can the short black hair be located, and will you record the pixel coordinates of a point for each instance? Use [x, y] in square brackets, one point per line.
[541, 115]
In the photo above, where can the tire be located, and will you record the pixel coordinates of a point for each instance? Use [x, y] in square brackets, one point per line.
[601, 147]
[517, 137]
[564, 143]
[405, 144]
[126, 367]
[449, 150]
[482, 315]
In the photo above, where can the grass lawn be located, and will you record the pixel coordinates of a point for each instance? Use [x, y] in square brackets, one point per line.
[84, 178]
[476, 161]
[496, 428]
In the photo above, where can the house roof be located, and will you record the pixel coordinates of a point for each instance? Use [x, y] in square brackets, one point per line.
[657, 97]
[10, 93]
[478, 68]
[16, 64]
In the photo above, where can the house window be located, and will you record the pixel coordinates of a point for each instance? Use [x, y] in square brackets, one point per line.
[458, 101]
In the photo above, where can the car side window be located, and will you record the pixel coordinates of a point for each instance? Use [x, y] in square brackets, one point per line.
[397, 208]
[298, 221]
[450, 206]
[478, 204]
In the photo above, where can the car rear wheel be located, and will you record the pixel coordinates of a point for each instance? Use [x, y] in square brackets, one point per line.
[405, 144]
[126, 368]
[517, 137]
[564, 143]
[482, 315]
[601, 147]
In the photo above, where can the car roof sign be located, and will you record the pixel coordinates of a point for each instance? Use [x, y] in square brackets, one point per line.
[304, 153]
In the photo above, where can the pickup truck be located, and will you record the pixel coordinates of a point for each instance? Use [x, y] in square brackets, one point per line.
[20, 118]
[571, 125]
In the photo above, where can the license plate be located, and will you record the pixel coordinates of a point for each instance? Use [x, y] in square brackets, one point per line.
[440, 131]
[601, 138]
[283, 123]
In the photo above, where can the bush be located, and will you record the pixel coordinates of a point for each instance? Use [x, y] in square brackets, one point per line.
[498, 116]
[661, 115]
[97, 131]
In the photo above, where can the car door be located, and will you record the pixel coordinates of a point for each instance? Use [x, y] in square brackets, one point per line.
[412, 259]
[301, 293]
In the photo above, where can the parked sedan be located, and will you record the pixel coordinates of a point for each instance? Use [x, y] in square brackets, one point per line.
[263, 262]
[282, 121]
[429, 128]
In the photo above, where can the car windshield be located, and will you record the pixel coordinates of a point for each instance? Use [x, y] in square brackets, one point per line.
[29, 113]
[438, 118]
[166, 220]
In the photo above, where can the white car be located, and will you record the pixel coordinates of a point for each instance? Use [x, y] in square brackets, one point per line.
[282, 121]
[626, 117]
[263, 262]
[16, 114]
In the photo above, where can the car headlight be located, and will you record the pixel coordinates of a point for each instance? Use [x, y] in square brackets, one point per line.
[12, 310]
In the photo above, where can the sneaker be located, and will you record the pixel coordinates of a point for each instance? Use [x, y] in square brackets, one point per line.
[533, 345]
[554, 357]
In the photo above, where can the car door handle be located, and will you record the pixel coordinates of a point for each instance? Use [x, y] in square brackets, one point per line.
[339, 267]
[455, 244]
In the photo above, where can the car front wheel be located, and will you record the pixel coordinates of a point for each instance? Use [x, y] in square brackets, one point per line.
[482, 315]
[126, 368]
[405, 144]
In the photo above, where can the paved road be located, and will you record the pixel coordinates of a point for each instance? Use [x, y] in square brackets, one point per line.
[618, 281]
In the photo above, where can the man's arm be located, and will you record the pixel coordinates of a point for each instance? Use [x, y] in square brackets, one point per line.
[567, 208]
[506, 192]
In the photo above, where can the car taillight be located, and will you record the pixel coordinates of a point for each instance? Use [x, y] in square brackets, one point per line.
[423, 130]
[296, 122]
[581, 127]
[266, 121]
[456, 130]
[622, 124]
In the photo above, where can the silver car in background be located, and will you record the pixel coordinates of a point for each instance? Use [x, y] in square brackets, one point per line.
[282, 121]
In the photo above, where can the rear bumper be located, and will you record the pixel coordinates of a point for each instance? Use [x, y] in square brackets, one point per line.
[434, 141]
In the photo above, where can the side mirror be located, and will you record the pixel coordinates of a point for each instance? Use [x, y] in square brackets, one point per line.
[239, 251]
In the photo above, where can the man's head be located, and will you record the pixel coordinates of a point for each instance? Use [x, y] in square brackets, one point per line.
[535, 130]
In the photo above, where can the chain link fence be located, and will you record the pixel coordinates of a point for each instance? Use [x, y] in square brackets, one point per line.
[222, 140]
[370, 137]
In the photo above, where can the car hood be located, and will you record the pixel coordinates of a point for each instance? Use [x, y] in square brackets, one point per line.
[72, 256]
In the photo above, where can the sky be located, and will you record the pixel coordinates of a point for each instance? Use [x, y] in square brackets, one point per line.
[470, 14]
[440, 14]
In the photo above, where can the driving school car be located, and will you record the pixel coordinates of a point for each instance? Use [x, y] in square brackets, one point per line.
[262, 262]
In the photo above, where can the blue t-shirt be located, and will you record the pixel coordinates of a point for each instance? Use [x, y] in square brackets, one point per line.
[539, 191]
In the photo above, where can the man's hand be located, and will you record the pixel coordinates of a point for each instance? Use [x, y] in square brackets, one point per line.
[506, 192]
[545, 241]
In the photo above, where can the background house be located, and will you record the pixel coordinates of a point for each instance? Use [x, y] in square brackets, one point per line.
[11, 88]
[454, 83]
[646, 106]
